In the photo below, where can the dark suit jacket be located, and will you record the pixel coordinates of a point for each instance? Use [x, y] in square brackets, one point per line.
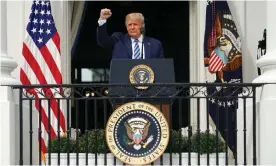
[122, 47]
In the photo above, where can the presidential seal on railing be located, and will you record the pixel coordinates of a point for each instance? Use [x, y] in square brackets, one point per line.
[137, 133]
[141, 74]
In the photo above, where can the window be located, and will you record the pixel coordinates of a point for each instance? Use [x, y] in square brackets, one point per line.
[92, 75]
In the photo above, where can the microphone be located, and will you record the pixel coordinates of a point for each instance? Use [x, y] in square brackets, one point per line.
[143, 33]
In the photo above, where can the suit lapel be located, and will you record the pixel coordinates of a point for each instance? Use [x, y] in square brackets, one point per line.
[147, 48]
[128, 44]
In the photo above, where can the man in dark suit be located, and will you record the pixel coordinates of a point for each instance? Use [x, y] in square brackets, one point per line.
[128, 46]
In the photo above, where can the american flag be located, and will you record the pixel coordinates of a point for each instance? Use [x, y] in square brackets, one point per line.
[42, 65]
[215, 63]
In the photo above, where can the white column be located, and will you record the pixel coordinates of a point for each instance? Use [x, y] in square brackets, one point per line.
[3, 37]
[268, 62]
[8, 150]
[7, 63]
[267, 113]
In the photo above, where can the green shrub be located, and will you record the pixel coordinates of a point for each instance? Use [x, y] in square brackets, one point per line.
[96, 143]
[60, 145]
[177, 143]
[206, 143]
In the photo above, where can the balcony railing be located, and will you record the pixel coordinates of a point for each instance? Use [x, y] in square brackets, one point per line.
[208, 123]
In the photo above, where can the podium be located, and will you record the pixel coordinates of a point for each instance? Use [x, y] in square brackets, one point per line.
[163, 70]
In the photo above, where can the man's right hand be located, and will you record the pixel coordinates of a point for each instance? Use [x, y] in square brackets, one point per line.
[105, 14]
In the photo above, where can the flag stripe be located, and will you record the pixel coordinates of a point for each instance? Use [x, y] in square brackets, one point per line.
[56, 40]
[35, 55]
[43, 146]
[24, 79]
[32, 78]
[53, 51]
[35, 66]
[51, 64]
[215, 63]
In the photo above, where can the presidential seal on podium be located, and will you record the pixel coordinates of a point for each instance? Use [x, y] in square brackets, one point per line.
[141, 74]
[137, 133]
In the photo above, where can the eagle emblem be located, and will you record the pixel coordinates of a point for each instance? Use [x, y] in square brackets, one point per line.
[136, 135]
[141, 74]
[224, 49]
[137, 130]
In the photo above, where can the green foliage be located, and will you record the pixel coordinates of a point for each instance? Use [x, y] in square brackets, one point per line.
[94, 142]
[177, 142]
[206, 143]
[60, 145]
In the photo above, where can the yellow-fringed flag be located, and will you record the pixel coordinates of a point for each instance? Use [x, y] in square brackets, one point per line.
[223, 64]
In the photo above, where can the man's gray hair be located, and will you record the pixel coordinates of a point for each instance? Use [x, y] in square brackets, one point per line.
[135, 15]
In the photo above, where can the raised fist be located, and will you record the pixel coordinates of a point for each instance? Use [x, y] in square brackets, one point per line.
[105, 14]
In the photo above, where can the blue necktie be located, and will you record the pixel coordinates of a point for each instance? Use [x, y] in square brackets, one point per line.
[136, 50]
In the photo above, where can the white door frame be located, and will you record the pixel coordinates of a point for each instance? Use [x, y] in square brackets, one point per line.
[197, 25]
[197, 10]
[65, 35]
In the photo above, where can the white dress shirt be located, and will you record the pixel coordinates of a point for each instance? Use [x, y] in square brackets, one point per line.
[101, 22]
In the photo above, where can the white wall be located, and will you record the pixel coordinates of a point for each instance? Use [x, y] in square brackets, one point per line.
[251, 21]
[16, 25]
[256, 22]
